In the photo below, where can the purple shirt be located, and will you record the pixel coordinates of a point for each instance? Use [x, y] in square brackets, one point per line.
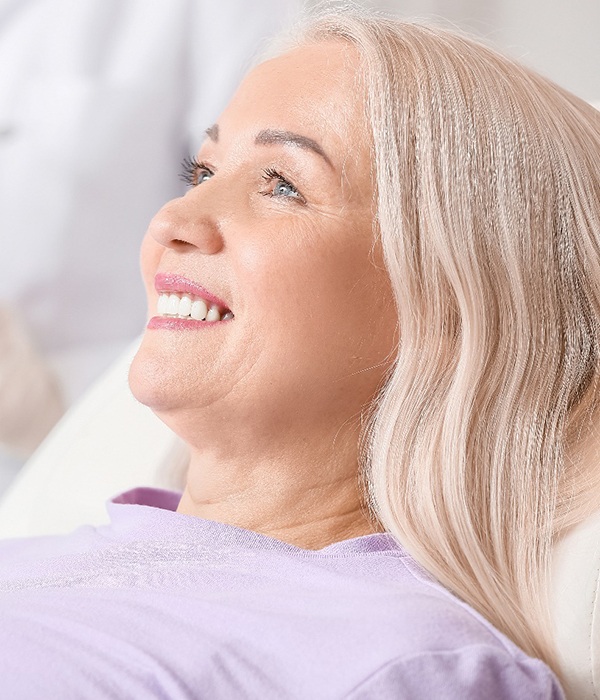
[163, 605]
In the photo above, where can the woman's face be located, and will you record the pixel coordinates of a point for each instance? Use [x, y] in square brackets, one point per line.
[278, 224]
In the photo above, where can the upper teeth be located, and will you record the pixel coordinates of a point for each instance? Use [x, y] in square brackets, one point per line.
[184, 307]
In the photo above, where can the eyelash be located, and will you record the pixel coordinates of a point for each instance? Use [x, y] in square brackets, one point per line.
[190, 168]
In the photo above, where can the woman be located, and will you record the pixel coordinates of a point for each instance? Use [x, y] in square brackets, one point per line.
[373, 319]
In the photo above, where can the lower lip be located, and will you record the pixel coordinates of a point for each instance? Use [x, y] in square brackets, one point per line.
[180, 324]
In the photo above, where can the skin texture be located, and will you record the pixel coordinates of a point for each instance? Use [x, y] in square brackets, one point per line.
[270, 402]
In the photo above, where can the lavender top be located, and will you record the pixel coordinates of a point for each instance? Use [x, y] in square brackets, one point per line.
[163, 605]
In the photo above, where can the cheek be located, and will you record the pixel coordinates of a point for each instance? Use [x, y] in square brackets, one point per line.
[335, 314]
[361, 316]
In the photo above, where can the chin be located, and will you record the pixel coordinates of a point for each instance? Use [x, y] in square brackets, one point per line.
[162, 377]
[145, 383]
[153, 379]
[159, 380]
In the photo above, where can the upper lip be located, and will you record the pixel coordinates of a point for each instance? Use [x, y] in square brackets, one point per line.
[165, 282]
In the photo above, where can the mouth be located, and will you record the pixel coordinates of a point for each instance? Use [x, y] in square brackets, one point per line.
[181, 298]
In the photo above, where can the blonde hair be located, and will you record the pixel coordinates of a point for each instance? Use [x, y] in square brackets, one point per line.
[488, 211]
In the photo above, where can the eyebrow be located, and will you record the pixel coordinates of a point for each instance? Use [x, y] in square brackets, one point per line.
[268, 137]
[213, 132]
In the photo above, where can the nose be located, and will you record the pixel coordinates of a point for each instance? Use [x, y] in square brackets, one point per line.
[182, 225]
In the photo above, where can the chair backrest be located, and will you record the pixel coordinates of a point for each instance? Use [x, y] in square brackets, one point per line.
[575, 600]
[106, 443]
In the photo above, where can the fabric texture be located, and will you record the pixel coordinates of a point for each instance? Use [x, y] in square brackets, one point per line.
[158, 604]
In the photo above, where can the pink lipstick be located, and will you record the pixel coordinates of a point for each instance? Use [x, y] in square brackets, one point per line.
[181, 285]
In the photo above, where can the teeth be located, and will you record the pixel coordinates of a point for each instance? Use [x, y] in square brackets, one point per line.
[173, 305]
[213, 314]
[199, 310]
[184, 307]
[161, 307]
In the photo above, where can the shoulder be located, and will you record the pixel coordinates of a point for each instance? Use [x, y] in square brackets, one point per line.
[469, 673]
[445, 649]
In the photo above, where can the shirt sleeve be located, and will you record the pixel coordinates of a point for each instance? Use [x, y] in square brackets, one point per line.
[470, 673]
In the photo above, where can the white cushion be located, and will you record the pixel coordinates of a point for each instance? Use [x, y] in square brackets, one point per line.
[576, 609]
[107, 443]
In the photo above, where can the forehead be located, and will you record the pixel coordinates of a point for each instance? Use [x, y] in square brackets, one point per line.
[313, 90]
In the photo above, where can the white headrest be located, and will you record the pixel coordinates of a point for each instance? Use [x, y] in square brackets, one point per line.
[107, 443]
[576, 608]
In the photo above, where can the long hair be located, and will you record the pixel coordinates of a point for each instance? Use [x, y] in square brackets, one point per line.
[487, 180]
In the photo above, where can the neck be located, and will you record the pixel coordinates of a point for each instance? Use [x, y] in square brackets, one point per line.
[307, 501]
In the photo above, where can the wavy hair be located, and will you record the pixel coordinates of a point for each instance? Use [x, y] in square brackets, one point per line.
[487, 182]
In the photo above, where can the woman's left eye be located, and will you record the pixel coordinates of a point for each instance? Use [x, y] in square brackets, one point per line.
[280, 186]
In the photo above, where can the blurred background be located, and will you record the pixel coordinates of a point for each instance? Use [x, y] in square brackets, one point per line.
[99, 102]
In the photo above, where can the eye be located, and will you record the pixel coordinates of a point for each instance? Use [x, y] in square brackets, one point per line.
[194, 172]
[280, 186]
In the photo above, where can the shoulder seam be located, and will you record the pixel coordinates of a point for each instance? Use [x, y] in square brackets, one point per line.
[526, 660]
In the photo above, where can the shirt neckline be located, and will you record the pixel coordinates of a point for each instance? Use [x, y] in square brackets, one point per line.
[149, 513]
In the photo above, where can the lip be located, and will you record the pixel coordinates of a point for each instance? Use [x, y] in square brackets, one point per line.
[180, 324]
[164, 282]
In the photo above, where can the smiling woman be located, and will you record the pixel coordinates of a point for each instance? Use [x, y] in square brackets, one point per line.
[373, 318]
